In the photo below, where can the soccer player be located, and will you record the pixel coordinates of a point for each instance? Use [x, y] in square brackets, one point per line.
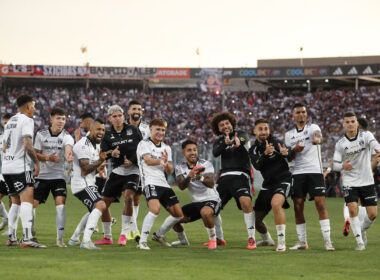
[352, 157]
[120, 142]
[135, 112]
[305, 141]
[88, 158]
[197, 175]
[53, 146]
[155, 160]
[18, 152]
[363, 125]
[269, 156]
[86, 120]
[3, 185]
[234, 181]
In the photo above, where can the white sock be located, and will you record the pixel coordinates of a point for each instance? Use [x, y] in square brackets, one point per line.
[147, 226]
[107, 231]
[266, 236]
[355, 225]
[12, 221]
[60, 220]
[346, 213]
[26, 214]
[169, 222]
[3, 211]
[34, 219]
[182, 236]
[211, 233]
[362, 213]
[135, 214]
[218, 227]
[301, 232]
[91, 224]
[280, 233]
[126, 222]
[250, 223]
[80, 227]
[325, 228]
[366, 223]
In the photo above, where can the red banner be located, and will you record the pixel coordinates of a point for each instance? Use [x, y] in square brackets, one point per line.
[173, 73]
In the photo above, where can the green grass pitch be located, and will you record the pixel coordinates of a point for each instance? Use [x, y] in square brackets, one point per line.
[233, 261]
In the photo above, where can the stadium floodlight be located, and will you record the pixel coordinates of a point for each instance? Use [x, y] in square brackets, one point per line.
[326, 80]
[308, 81]
[233, 101]
[285, 81]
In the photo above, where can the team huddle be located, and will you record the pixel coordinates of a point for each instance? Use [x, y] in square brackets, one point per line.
[141, 162]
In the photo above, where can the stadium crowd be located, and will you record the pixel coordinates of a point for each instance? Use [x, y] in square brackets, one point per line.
[189, 112]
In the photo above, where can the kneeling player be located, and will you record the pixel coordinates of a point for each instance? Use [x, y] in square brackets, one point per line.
[269, 157]
[197, 175]
[88, 158]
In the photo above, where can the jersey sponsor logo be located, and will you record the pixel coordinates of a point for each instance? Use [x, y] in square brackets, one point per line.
[11, 125]
[9, 157]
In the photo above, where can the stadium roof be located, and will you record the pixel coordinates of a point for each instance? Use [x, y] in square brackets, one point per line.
[318, 61]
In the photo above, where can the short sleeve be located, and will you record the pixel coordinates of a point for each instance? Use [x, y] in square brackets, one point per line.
[142, 149]
[81, 151]
[209, 168]
[179, 170]
[38, 142]
[169, 151]
[68, 140]
[27, 128]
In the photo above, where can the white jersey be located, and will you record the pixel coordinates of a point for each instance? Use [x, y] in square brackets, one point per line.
[144, 129]
[1, 157]
[197, 190]
[47, 144]
[309, 160]
[15, 159]
[83, 149]
[358, 151]
[152, 174]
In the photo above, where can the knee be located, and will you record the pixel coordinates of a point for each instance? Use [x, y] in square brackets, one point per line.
[101, 206]
[128, 199]
[372, 216]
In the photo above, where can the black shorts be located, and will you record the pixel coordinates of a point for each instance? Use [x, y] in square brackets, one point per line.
[166, 196]
[100, 182]
[264, 199]
[233, 186]
[367, 195]
[42, 188]
[116, 184]
[3, 188]
[89, 196]
[193, 210]
[17, 183]
[308, 183]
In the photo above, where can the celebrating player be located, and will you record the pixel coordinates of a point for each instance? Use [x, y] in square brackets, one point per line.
[88, 158]
[234, 180]
[3, 185]
[268, 155]
[53, 146]
[120, 142]
[155, 160]
[352, 157]
[305, 141]
[197, 175]
[18, 153]
[135, 112]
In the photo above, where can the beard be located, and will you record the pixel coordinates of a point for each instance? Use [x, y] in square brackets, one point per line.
[136, 117]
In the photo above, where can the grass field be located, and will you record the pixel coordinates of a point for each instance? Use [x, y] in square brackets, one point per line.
[195, 262]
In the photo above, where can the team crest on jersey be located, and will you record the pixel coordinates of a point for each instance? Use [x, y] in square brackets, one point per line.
[361, 142]
[305, 132]
[242, 139]
[112, 137]
[129, 132]
[60, 141]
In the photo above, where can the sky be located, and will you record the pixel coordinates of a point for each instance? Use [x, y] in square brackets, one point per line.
[166, 33]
